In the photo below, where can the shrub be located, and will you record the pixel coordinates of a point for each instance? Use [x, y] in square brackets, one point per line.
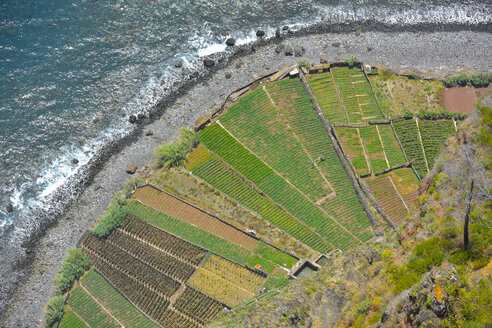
[351, 61]
[362, 307]
[110, 220]
[408, 115]
[304, 63]
[480, 80]
[131, 184]
[72, 268]
[54, 310]
[174, 154]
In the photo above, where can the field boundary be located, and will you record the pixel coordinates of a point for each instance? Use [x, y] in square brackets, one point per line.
[101, 305]
[422, 144]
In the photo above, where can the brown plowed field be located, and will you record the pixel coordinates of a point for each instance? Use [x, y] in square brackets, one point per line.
[386, 195]
[176, 208]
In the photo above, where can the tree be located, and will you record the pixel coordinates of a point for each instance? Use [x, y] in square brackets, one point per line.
[469, 172]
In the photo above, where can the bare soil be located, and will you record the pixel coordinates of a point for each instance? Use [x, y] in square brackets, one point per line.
[462, 99]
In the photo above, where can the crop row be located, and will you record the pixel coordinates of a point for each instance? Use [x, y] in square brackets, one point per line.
[198, 305]
[387, 196]
[217, 174]
[407, 184]
[130, 265]
[391, 147]
[175, 319]
[163, 240]
[218, 288]
[174, 207]
[151, 256]
[189, 232]
[71, 320]
[88, 309]
[113, 301]
[275, 186]
[356, 94]
[139, 292]
[275, 255]
[352, 146]
[370, 137]
[434, 135]
[262, 129]
[327, 97]
[408, 133]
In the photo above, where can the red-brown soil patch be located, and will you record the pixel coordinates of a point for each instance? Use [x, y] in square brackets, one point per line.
[462, 99]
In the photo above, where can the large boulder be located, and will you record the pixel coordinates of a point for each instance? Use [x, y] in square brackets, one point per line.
[299, 51]
[323, 60]
[289, 50]
[208, 62]
[260, 33]
[9, 208]
[132, 169]
[230, 42]
[279, 48]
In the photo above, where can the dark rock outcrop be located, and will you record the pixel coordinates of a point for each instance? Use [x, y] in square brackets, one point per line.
[208, 62]
[230, 42]
[178, 64]
[299, 51]
[279, 48]
[75, 161]
[260, 33]
[336, 44]
[132, 119]
[9, 208]
[289, 50]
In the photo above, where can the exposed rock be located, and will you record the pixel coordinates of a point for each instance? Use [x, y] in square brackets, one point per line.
[140, 116]
[9, 208]
[260, 33]
[336, 44]
[75, 161]
[230, 42]
[208, 62]
[299, 51]
[96, 120]
[323, 60]
[277, 33]
[178, 64]
[279, 48]
[289, 50]
[132, 169]
[228, 75]
[369, 48]
[285, 28]
[132, 119]
[9, 183]
[149, 132]
[224, 33]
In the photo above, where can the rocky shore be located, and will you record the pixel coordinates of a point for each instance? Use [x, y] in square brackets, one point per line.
[432, 52]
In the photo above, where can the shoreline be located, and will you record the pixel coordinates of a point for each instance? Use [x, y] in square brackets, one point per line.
[421, 51]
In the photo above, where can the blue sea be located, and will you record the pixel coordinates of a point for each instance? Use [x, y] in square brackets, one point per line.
[71, 72]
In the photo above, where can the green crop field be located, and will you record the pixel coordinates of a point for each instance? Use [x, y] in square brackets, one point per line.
[351, 144]
[356, 94]
[370, 137]
[217, 174]
[189, 232]
[70, 320]
[88, 309]
[324, 90]
[408, 133]
[434, 136]
[391, 147]
[275, 255]
[116, 303]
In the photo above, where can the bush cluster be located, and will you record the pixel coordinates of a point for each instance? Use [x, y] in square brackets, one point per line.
[478, 80]
[110, 220]
[54, 310]
[72, 268]
[443, 114]
[351, 61]
[174, 154]
[132, 184]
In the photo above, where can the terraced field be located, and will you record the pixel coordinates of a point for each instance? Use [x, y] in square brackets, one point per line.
[172, 206]
[352, 146]
[409, 136]
[324, 89]
[394, 154]
[407, 184]
[382, 188]
[356, 93]
[275, 139]
[372, 142]
[434, 136]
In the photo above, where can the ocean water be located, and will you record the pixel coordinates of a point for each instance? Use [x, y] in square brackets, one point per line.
[72, 71]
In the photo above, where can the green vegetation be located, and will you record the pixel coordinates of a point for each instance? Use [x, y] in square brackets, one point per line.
[409, 137]
[54, 310]
[478, 80]
[110, 220]
[72, 268]
[112, 300]
[352, 146]
[265, 264]
[131, 185]
[434, 136]
[370, 137]
[174, 154]
[351, 61]
[189, 232]
[443, 114]
[324, 90]
[275, 255]
[89, 310]
[70, 320]
[391, 147]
